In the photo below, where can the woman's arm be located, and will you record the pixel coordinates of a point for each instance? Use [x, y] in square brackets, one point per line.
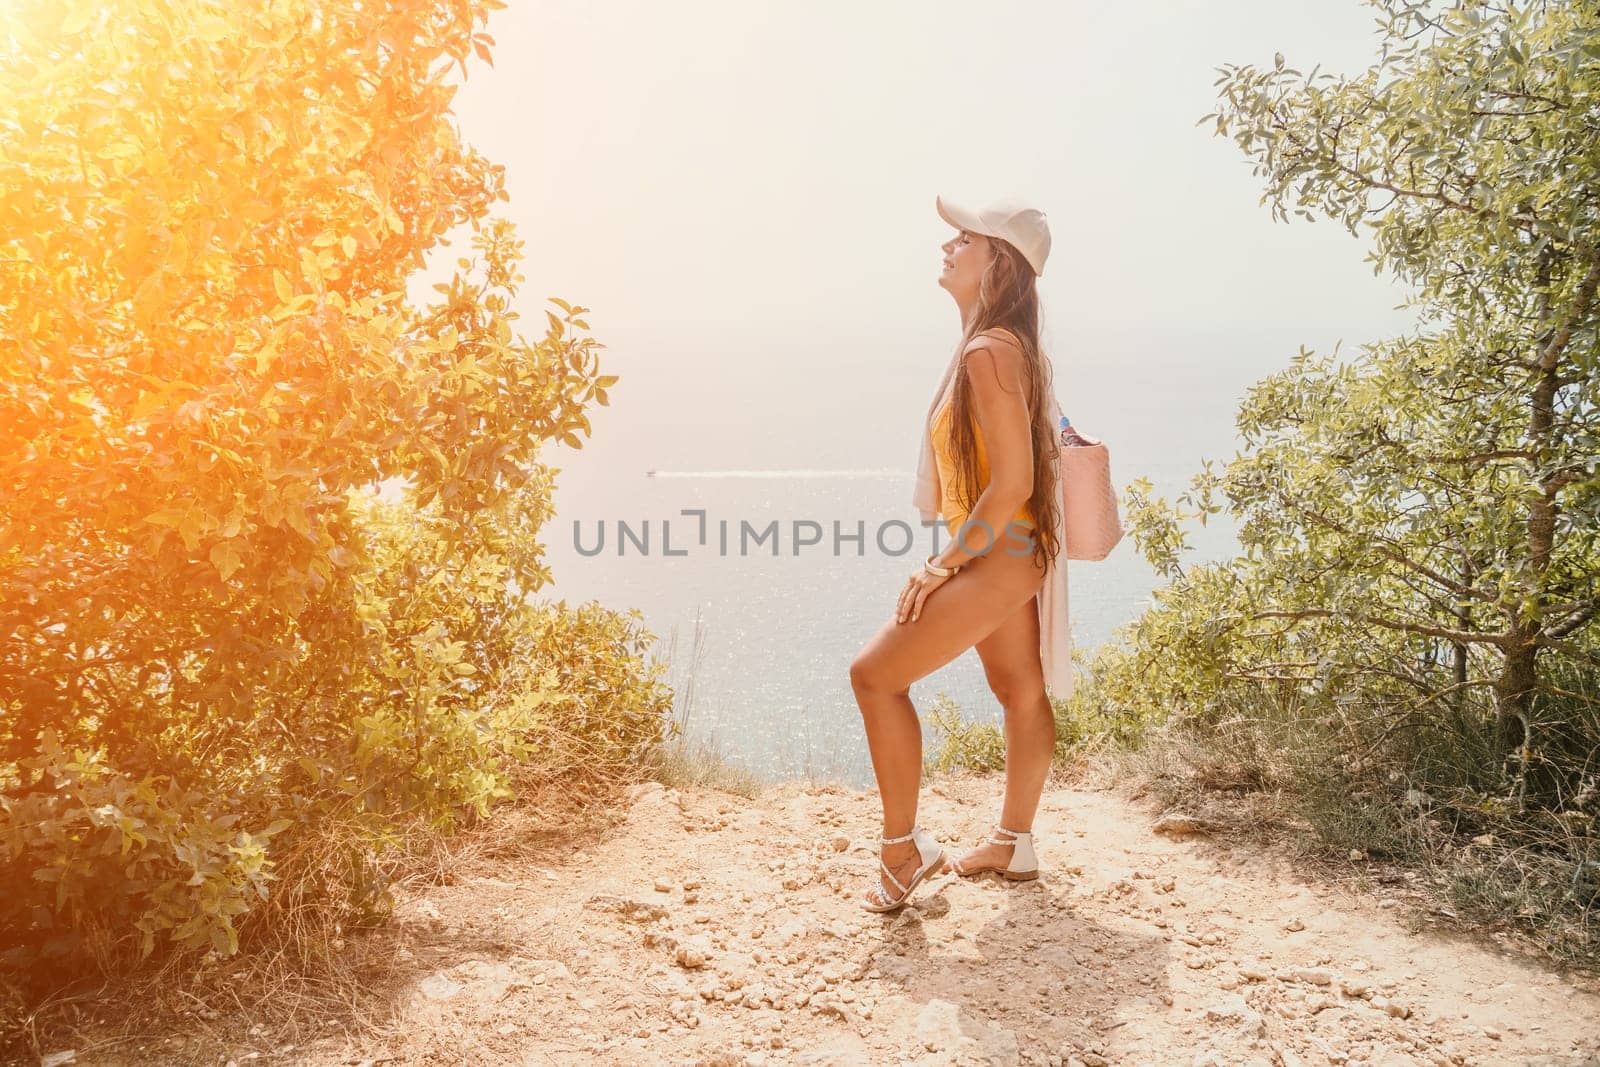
[996, 371]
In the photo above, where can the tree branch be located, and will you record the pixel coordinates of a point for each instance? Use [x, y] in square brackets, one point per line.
[1464, 636]
[1400, 558]
[1572, 625]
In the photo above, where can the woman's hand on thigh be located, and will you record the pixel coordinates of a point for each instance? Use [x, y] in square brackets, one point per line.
[917, 589]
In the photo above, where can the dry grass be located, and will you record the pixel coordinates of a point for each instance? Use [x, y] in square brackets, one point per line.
[1250, 780]
[699, 765]
[305, 965]
[681, 762]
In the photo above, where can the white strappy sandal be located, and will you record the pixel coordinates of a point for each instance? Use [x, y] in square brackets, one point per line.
[932, 857]
[1024, 864]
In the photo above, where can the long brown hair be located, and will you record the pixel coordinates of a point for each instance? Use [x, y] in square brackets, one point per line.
[1009, 299]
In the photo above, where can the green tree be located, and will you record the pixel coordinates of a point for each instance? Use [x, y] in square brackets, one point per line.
[213, 640]
[1424, 515]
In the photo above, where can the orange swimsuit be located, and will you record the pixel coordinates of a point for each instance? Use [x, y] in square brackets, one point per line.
[950, 507]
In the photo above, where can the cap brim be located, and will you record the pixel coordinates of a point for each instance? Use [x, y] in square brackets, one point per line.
[959, 216]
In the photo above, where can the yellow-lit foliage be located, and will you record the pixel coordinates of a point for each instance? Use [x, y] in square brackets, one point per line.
[214, 641]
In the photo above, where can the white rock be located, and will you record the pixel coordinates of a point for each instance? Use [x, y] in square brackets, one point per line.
[1392, 1007]
[439, 987]
[1227, 1010]
[941, 1027]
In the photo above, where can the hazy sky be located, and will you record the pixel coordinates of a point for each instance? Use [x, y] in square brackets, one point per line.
[744, 194]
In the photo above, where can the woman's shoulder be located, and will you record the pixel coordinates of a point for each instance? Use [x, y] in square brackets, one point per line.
[997, 361]
[993, 333]
[1002, 348]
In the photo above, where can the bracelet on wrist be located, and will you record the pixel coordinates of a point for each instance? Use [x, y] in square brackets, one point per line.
[938, 571]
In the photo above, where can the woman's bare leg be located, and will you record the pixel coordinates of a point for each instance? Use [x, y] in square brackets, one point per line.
[1010, 656]
[956, 616]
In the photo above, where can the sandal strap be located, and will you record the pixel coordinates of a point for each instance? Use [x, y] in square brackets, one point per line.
[892, 878]
[916, 831]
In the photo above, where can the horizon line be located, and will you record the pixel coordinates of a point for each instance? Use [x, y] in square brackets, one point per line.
[799, 472]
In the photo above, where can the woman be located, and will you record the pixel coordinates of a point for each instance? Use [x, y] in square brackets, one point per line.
[992, 475]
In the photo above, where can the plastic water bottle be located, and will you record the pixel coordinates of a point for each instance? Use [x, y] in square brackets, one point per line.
[1069, 436]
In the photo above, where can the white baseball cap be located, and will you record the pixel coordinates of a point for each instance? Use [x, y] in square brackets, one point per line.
[1008, 219]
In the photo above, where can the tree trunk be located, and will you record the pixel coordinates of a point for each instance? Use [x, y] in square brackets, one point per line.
[1513, 692]
[1518, 677]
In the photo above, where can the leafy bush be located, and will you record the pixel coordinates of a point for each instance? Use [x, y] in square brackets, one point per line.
[465, 687]
[1086, 724]
[975, 746]
[230, 673]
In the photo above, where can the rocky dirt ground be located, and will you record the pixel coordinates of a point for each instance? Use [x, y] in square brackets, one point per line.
[711, 929]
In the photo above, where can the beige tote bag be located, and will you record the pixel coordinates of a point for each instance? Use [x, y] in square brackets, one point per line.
[1088, 501]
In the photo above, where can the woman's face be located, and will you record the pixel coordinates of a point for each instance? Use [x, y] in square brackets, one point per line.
[966, 255]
